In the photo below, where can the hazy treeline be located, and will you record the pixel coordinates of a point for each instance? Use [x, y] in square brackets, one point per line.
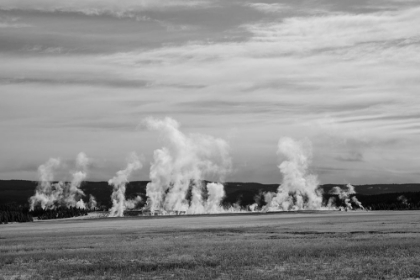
[14, 213]
[58, 213]
[392, 201]
[10, 213]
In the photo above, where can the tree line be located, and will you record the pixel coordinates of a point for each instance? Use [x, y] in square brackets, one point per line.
[12, 213]
[58, 213]
[391, 201]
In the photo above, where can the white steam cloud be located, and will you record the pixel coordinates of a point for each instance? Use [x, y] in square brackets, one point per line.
[298, 190]
[177, 173]
[344, 195]
[119, 182]
[132, 203]
[403, 199]
[74, 191]
[49, 195]
[92, 202]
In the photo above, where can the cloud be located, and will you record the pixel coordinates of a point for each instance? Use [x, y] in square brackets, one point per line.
[13, 25]
[352, 156]
[12, 22]
[317, 33]
[358, 69]
[53, 69]
[119, 9]
[101, 5]
[269, 7]
[52, 81]
[342, 37]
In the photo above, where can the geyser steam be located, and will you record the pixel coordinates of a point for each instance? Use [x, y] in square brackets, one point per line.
[344, 195]
[179, 168]
[50, 195]
[298, 190]
[119, 203]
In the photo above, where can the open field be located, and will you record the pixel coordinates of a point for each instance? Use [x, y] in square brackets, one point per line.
[320, 245]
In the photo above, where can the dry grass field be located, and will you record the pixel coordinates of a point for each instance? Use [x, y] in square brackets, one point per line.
[320, 245]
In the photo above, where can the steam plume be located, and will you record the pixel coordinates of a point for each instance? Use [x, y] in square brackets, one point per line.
[402, 199]
[45, 195]
[51, 195]
[119, 203]
[179, 167]
[92, 202]
[74, 190]
[132, 203]
[298, 190]
[344, 195]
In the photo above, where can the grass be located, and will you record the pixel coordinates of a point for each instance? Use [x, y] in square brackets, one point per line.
[318, 247]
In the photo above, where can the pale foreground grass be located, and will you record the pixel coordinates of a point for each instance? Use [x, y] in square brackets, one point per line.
[299, 248]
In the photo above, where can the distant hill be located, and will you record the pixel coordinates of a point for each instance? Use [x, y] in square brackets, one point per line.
[19, 191]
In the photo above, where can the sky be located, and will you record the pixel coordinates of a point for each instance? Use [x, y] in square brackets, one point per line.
[81, 75]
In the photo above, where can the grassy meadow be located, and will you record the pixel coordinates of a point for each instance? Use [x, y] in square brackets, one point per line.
[327, 245]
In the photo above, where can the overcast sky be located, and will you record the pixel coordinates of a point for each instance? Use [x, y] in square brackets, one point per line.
[80, 75]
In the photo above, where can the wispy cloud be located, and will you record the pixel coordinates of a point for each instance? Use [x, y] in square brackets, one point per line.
[12, 22]
[13, 25]
[269, 7]
[352, 156]
[122, 8]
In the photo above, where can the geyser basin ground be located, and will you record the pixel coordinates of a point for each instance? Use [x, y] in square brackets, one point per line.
[329, 245]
